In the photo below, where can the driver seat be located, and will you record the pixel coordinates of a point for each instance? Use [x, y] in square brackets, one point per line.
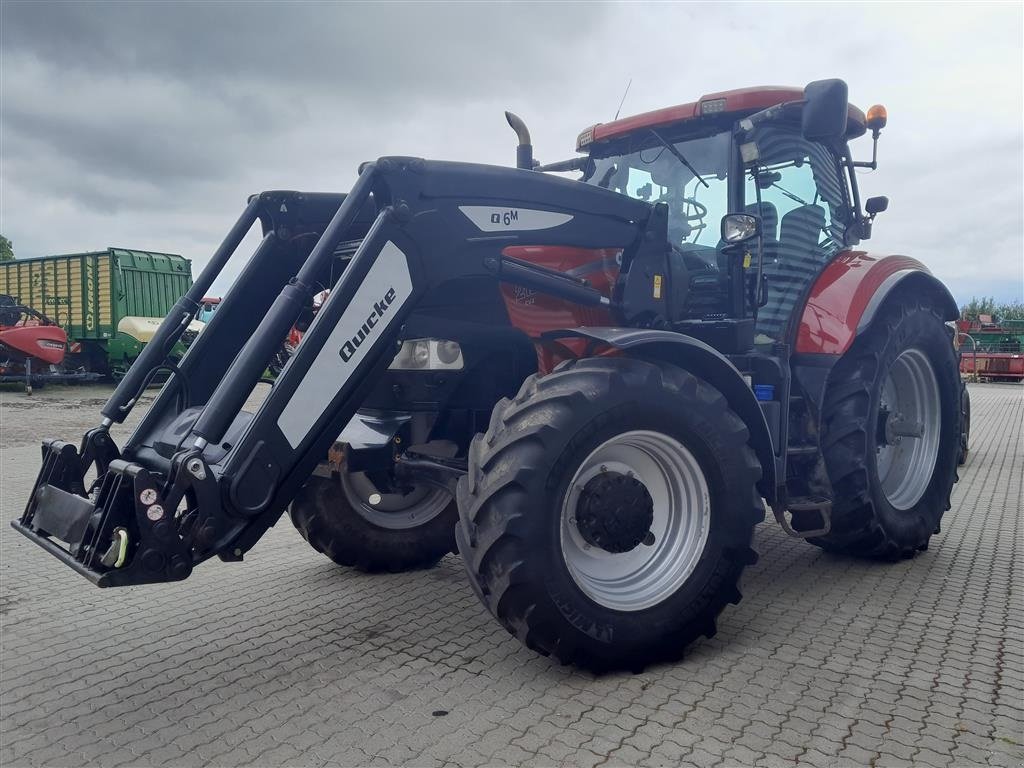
[797, 262]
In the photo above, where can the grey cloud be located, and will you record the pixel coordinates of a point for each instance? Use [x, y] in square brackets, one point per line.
[174, 97]
[388, 50]
[148, 123]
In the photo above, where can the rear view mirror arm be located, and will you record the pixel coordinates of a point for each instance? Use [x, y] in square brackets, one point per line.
[747, 124]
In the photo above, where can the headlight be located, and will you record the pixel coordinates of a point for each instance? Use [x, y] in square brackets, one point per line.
[428, 355]
[449, 352]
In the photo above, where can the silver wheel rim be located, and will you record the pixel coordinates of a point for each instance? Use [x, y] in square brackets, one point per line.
[908, 429]
[394, 511]
[648, 574]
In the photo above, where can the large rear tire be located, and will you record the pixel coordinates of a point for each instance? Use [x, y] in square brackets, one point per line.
[608, 512]
[401, 532]
[891, 434]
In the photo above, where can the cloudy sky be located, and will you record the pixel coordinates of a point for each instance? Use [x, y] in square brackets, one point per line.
[147, 124]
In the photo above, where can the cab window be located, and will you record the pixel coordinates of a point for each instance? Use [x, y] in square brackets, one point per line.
[796, 188]
[655, 174]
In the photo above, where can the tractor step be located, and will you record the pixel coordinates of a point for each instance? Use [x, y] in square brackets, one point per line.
[819, 504]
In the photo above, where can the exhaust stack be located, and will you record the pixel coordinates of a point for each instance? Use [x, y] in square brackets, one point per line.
[524, 152]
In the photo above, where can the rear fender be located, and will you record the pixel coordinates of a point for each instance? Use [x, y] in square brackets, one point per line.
[846, 298]
[701, 360]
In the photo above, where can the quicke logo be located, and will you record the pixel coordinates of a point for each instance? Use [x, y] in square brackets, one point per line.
[349, 348]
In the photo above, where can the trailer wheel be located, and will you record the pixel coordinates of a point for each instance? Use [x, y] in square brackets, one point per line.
[891, 435]
[401, 532]
[608, 512]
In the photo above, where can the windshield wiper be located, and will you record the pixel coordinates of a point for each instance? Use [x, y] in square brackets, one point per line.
[679, 156]
[790, 195]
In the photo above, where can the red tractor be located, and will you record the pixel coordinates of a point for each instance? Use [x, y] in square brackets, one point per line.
[587, 387]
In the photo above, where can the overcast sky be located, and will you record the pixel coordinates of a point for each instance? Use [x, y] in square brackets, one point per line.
[147, 125]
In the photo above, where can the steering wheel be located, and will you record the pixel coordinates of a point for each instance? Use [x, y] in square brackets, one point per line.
[697, 210]
[683, 225]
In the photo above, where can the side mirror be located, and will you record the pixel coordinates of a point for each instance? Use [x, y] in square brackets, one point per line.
[740, 227]
[875, 205]
[826, 106]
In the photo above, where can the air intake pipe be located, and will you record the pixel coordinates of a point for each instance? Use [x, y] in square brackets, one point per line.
[524, 152]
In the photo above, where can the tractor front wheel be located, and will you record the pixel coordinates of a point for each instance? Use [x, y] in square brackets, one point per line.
[608, 512]
[892, 434]
[346, 518]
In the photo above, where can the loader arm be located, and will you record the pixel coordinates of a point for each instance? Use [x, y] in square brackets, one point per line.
[202, 477]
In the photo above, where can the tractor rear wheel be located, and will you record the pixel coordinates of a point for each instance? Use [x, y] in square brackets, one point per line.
[608, 512]
[891, 434]
[346, 518]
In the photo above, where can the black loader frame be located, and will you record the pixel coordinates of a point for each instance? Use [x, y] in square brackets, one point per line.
[200, 477]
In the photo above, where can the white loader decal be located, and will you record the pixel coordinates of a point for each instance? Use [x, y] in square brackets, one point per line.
[495, 219]
[386, 287]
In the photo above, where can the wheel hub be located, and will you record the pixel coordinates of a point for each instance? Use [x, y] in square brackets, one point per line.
[671, 485]
[893, 427]
[393, 509]
[615, 512]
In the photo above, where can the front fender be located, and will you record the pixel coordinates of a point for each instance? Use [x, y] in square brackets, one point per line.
[848, 293]
[704, 361]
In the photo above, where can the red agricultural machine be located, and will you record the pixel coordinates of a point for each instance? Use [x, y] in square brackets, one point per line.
[589, 387]
[33, 348]
[31, 345]
[992, 350]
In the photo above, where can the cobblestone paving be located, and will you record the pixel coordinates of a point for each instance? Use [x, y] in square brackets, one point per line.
[290, 660]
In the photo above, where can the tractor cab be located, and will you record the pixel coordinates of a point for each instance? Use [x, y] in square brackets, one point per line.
[779, 155]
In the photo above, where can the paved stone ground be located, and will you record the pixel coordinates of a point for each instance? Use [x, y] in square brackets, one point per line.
[289, 660]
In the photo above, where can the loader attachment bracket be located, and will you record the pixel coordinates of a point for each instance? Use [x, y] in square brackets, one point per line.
[122, 532]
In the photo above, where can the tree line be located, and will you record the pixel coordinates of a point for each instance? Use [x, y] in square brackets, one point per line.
[999, 311]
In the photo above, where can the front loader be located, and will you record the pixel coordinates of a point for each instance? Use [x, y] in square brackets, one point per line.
[589, 387]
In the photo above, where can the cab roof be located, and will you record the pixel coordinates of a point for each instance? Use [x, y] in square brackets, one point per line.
[741, 100]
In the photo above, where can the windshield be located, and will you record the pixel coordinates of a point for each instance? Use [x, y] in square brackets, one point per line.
[656, 175]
